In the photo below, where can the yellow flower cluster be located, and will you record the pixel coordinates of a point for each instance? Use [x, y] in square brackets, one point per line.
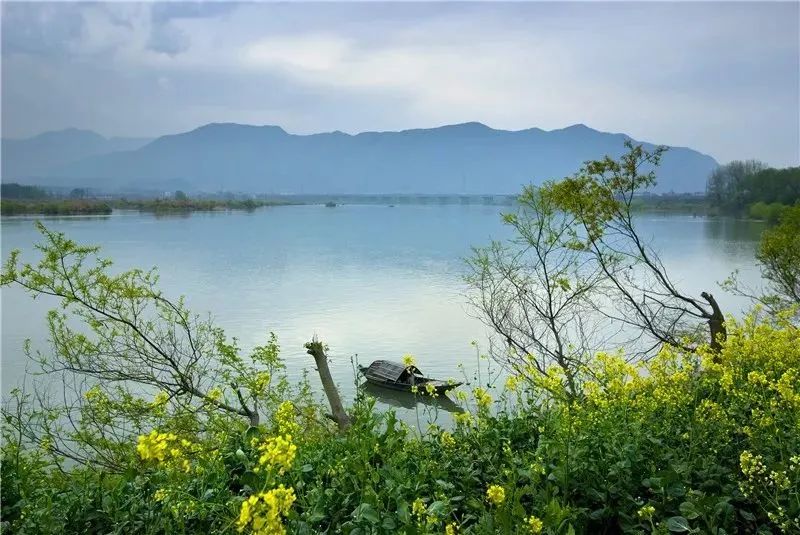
[164, 448]
[482, 398]
[646, 511]
[534, 524]
[451, 529]
[277, 453]
[214, 395]
[496, 494]
[512, 383]
[160, 399]
[418, 507]
[264, 512]
[285, 419]
[262, 381]
[463, 418]
[408, 360]
[446, 439]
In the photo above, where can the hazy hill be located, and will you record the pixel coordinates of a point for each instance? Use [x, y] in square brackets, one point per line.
[47, 153]
[463, 158]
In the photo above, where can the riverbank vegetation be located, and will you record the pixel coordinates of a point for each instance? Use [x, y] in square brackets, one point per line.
[750, 188]
[192, 205]
[30, 200]
[675, 424]
[54, 207]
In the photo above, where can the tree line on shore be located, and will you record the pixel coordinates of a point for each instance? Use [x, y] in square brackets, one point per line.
[751, 188]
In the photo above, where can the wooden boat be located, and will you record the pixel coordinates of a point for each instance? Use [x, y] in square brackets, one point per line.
[398, 376]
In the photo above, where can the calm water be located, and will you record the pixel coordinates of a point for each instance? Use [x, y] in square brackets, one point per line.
[371, 281]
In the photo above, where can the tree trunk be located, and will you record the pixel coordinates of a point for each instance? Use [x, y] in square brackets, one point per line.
[317, 350]
[716, 323]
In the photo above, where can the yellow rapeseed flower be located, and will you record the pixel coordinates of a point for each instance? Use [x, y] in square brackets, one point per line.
[447, 440]
[646, 511]
[408, 360]
[512, 383]
[160, 399]
[495, 494]
[431, 390]
[463, 418]
[482, 398]
[534, 524]
[277, 452]
[285, 418]
[264, 512]
[418, 507]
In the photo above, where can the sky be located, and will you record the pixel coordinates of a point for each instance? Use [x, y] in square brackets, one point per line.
[722, 78]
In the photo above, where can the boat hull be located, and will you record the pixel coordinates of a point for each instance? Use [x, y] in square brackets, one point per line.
[441, 388]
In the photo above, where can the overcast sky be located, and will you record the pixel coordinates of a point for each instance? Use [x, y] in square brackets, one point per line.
[722, 78]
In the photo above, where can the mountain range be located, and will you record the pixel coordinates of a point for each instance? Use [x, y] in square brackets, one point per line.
[469, 158]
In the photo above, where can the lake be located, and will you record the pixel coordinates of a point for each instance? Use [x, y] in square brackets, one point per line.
[369, 280]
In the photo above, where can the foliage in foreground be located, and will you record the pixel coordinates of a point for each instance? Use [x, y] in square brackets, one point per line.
[691, 442]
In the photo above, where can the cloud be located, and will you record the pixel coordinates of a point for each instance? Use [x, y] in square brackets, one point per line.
[40, 31]
[720, 77]
[168, 39]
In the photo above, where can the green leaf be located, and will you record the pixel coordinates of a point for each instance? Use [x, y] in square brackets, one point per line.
[402, 512]
[689, 510]
[747, 515]
[317, 516]
[437, 508]
[366, 512]
[676, 490]
[678, 524]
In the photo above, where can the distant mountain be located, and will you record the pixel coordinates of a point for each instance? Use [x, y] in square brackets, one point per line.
[464, 158]
[46, 153]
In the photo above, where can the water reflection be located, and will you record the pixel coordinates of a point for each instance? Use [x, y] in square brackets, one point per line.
[407, 400]
[733, 230]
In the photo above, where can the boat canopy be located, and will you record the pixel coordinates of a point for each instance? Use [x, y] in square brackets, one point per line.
[390, 371]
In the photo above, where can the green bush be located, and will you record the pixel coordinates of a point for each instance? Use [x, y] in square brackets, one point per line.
[767, 212]
[691, 442]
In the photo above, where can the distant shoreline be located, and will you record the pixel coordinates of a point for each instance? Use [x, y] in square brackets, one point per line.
[63, 207]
